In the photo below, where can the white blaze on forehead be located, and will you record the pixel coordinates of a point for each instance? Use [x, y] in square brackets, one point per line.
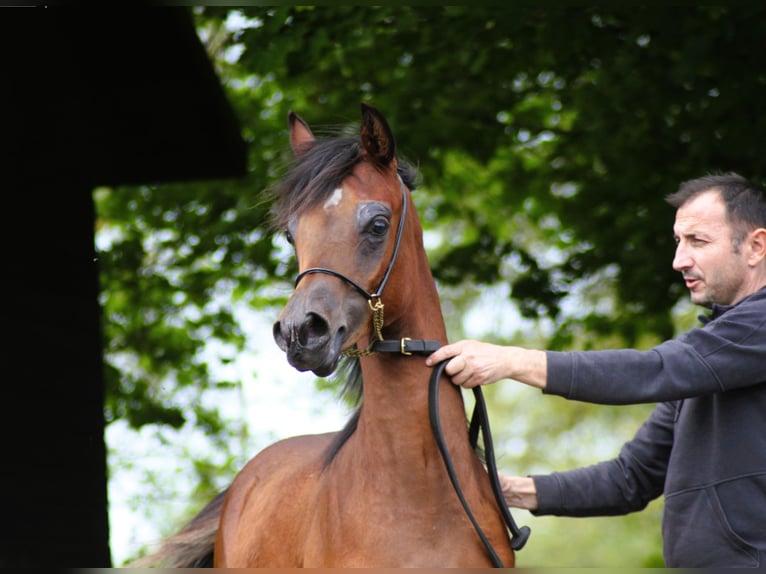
[334, 199]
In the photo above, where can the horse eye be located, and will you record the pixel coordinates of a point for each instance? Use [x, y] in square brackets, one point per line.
[379, 226]
[289, 237]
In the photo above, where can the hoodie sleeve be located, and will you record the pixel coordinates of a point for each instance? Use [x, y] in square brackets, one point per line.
[727, 353]
[615, 487]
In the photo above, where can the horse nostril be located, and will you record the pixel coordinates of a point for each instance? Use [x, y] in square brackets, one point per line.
[279, 336]
[313, 331]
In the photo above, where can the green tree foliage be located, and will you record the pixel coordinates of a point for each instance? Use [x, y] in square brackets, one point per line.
[547, 138]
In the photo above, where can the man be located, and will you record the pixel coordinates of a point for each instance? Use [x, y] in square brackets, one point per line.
[704, 445]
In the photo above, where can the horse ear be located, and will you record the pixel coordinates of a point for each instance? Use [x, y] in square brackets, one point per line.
[301, 138]
[377, 137]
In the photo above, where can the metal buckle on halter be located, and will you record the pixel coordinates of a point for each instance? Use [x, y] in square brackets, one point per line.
[404, 345]
[374, 302]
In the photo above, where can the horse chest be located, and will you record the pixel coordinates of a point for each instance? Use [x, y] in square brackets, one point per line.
[392, 541]
[383, 525]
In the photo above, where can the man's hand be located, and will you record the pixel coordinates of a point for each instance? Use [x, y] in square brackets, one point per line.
[473, 363]
[519, 491]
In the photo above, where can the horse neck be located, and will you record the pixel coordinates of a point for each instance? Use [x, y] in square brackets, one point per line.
[395, 410]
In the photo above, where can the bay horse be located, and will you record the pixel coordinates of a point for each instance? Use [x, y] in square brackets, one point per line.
[399, 486]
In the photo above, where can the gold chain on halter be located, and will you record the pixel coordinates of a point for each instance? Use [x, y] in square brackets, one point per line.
[376, 305]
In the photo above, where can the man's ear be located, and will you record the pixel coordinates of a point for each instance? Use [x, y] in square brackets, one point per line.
[757, 245]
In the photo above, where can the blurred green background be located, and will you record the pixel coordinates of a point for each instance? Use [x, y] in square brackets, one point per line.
[546, 137]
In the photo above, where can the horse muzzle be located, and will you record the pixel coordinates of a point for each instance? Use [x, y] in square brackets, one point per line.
[310, 343]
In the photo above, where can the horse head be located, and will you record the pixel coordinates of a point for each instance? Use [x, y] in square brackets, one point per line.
[343, 207]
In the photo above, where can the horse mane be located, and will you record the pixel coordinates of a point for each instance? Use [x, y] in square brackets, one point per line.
[310, 179]
[349, 374]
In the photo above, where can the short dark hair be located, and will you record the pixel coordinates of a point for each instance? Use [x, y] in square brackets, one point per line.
[745, 202]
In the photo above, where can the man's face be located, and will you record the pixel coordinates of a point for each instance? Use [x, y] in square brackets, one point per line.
[713, 269]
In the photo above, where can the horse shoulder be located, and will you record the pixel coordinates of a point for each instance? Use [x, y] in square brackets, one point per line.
[263, 520]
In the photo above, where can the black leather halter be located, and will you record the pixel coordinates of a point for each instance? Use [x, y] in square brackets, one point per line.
[479, 419]
[354, 284]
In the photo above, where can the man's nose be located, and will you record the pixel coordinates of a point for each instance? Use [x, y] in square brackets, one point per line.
[682, 260]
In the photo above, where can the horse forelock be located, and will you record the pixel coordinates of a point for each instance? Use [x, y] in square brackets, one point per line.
[312, 177]
[315, 174]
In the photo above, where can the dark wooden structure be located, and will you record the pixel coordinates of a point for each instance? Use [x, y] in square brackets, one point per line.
[88, 97]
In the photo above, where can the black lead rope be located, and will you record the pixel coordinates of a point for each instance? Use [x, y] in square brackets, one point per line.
[479, 421]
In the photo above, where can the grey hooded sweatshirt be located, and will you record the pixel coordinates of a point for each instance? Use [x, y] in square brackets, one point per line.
[703, 447]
